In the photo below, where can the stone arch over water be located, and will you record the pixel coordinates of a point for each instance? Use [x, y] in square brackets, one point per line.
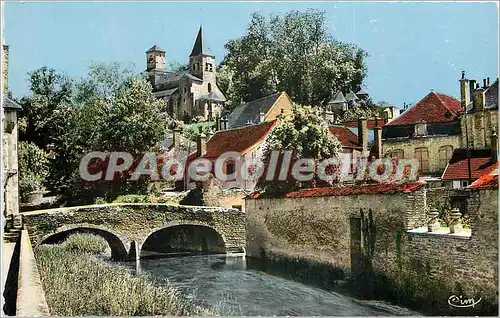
[184, 237]
[118, 248]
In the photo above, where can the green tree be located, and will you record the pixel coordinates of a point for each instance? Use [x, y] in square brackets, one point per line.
[111, 109]
[294, 53]
[306, 135]
[45, 111]
[33, 168]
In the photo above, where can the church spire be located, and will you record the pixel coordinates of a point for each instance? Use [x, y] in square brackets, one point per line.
[200, 46]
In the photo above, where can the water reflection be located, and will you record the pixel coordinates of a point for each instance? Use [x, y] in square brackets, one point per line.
[228, 285]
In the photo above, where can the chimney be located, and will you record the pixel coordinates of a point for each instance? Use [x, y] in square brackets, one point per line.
[464, 91]
[224, 123]
[176, 136]
[201, 147]
[484, 83]
[363, 135]
[488, 81]
[378, 138]
[5, 68]
[494, 145]
[479, 99]
[261, 117]
[217, 123]
[472, 87]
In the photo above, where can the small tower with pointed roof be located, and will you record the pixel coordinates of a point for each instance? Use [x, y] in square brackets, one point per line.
[155, 59]
[201, 59]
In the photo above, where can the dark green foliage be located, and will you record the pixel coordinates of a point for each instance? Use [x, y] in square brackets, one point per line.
[194, 197]
[290, 52]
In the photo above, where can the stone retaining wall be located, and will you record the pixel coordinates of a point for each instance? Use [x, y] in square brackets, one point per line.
[430, 266]
[30, 295]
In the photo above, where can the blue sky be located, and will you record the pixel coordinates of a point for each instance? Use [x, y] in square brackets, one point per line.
[413, 47]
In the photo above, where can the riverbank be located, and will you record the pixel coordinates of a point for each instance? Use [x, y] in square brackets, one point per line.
[77, 283]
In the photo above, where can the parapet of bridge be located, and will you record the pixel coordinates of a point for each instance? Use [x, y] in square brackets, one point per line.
[127, 226]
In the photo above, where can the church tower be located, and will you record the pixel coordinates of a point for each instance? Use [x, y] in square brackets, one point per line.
[202, 60]
[155, 59]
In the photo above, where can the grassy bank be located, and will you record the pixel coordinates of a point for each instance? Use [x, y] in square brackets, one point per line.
[77, 283]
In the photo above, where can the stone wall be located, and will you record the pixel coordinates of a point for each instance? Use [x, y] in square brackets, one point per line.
[122, 224]
[318, 229]
[432, 143]
[424, 267]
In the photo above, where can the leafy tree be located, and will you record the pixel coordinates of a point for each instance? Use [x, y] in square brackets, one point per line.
[306, 135]
[294, 53]
[44, 116]
[33, 168]
[111, 109]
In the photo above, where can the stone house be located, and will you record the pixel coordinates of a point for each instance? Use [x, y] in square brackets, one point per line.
[248, 141]
[189, 93]
[264, 109]
[479, 139]
[429, 132]
[10, 109]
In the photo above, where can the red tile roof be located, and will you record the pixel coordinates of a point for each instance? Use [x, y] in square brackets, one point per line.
[370, 123]
[239, 139]
[481, 163]
[488, 181]
[378, 188]
[345, 136]
[433, 108]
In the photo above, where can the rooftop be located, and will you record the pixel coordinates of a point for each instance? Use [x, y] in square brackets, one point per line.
[433, 108]
[249, 113]
[481, 162]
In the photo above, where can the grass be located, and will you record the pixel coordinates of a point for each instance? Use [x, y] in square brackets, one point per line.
[76, 283]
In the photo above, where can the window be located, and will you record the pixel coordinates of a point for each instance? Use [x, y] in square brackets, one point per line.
[208, 67]
[465, 184]
[422, 155]
[398, 154]
[445, 153]
[420, 129]
[209, 87]
[230, 168]
[185, 89]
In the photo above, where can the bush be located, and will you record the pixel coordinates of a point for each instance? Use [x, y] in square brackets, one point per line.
[82, 285]
[33, 168]
[132, 198]
[86, 244]
[100, 200]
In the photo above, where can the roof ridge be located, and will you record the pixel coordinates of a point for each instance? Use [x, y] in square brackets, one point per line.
[243, 127]
[261, 98]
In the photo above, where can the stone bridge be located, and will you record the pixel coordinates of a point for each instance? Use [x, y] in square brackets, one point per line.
[127, 227]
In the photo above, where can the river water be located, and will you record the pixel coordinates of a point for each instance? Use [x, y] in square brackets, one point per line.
[227, 285]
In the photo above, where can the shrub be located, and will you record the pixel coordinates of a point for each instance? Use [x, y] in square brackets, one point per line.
[33, 168]
[100, 200]
[82, 285]
[86, 244]
[132, 198]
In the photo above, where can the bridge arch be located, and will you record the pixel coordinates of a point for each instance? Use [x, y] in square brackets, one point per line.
[204, 238]
[118, 248]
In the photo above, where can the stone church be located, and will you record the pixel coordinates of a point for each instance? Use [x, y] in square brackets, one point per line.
[189, 93]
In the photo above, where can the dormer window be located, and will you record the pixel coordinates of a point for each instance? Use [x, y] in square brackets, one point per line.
[421, 129]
